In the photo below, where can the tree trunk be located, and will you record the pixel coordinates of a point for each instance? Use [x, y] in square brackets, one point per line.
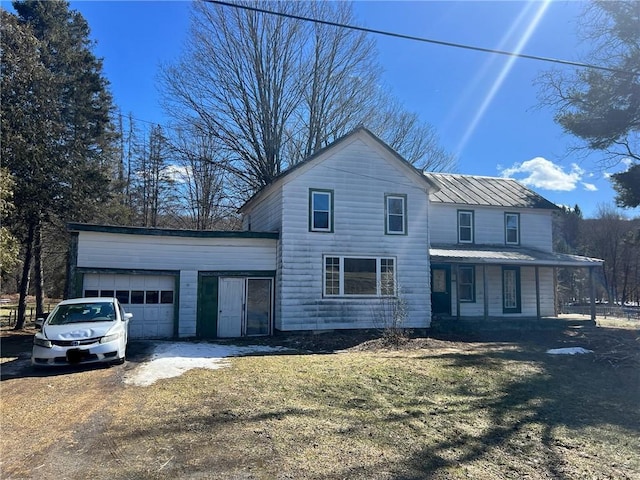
[38, 276]
[24, 282]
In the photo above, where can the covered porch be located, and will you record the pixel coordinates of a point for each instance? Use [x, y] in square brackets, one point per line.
[500, 287]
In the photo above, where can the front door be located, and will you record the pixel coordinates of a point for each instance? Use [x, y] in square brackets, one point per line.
[441, 289]
[231, 305]
[511, 299]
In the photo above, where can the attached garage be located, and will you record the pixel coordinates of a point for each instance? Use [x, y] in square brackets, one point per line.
[151, 299]
[178, 283]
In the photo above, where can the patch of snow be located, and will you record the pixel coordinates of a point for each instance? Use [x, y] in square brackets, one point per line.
[173, 359]
[568, 351]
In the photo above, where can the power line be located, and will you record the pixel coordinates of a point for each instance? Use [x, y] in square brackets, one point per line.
[422, 39]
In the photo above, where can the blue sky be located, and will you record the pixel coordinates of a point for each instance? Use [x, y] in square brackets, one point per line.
[484, 106]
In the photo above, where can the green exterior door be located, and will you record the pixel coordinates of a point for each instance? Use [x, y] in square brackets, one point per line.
[207, 326]
[441, 289]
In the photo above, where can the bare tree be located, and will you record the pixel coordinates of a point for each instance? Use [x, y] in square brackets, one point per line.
[200, 179]
[415, 140]
[240, 79]
[275, 90]
[616, 240]
[339, 75]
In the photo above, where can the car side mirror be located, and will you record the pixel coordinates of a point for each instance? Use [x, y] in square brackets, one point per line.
[39, 322]
[128, 316]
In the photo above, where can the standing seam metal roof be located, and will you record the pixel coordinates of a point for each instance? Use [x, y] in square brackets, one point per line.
[489, 191]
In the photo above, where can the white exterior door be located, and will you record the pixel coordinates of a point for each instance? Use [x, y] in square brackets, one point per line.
[231, 304]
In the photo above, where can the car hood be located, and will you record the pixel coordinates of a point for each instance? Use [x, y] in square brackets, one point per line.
[78, 331]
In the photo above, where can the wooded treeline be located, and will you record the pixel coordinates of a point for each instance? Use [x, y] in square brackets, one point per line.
[609, 236]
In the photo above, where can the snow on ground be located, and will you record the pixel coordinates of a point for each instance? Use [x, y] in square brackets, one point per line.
[568, 351]
[173, 359]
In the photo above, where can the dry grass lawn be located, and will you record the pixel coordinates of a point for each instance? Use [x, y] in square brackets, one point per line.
[435, 409]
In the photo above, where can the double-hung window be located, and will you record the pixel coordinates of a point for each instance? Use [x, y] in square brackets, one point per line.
[395, 207]
[466, 283]
[465, 226]
[512, 228]
[359, 276]
[321, 210]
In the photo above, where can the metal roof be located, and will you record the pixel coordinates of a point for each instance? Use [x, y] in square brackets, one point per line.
[502, 255]
[490, 191]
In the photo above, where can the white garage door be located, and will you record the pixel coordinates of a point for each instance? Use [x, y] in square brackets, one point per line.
[149, 297]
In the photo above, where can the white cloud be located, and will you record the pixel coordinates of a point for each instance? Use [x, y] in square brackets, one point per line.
[542, 173]
[590, 187]
[177, 173]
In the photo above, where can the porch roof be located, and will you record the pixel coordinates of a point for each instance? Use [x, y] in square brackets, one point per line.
[502, 255]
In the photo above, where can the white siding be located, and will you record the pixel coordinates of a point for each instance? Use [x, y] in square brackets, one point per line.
[535, 225]
[151, 252]
[527, 290]
[360, 175]
[187, 309]
[265, 216]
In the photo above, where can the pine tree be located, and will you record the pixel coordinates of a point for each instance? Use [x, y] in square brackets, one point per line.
[56, 110]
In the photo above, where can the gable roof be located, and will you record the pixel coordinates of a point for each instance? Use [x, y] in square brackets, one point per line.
[411, 170]
[490, 191]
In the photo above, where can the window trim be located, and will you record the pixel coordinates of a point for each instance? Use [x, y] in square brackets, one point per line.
[341, 283]
[472, 268]
[312, 191]
[472, 227]
[400, 196]
[506, 231]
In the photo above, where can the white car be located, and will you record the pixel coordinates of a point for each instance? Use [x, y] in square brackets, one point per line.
[81, 331]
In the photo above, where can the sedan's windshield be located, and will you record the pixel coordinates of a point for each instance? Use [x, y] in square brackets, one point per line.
[83, 312]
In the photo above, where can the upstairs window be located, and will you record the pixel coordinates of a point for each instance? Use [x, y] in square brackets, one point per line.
[321, 210]
[396, 218]
[465, 226]
[512, 228]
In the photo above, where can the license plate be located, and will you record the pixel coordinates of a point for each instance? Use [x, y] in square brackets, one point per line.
[75, 355]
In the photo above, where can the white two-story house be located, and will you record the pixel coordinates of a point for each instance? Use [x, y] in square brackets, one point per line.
[330, 244]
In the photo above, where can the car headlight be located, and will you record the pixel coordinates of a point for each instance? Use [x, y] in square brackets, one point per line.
[41, 341]
[110, 338]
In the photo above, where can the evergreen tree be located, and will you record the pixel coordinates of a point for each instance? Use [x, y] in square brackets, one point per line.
[56, 130]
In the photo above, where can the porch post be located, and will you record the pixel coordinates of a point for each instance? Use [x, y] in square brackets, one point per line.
[556, 305]
[457, 291]
[592, 294]
[485, 289]
[537, 292]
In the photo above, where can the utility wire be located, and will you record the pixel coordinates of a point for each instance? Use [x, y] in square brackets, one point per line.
[422, 39]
